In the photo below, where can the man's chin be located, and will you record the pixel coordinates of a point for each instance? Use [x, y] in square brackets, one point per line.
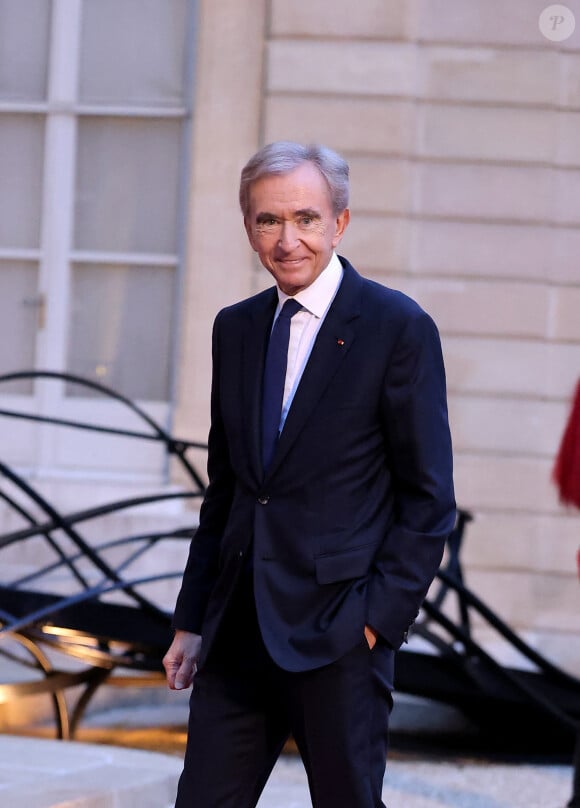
[291, 281]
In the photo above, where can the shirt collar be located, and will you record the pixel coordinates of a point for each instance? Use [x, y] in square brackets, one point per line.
[319, 295]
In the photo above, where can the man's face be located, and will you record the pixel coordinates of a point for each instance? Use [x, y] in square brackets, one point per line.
[292, 227]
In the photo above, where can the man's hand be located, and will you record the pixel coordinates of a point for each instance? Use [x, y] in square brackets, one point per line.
[371, 636]
[180, 660]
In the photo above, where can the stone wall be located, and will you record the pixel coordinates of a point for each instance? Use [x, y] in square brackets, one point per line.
[461, 123]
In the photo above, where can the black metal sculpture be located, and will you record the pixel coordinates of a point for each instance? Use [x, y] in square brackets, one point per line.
[532, 708]
[529, 709]
[85, 619]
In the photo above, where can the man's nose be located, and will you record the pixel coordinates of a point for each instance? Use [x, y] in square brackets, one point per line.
[288, 235]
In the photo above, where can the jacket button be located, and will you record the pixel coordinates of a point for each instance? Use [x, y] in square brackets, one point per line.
[263, 500]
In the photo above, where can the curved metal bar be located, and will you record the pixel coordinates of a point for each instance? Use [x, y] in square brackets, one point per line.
[82, 382]
[502, 628]
[17, 507]
[149, 541]
[13, 657]
[92, 513]
[532, 694]
[100, 678]
[57, 696]
[38, 530]
[86, 425]
[91, 593]
[175, 447]
[107, 430]
[453, 566]
[55, 683]
[62, 523]
[104, 653]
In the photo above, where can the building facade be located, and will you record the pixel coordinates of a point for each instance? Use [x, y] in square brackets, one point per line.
[123, 128]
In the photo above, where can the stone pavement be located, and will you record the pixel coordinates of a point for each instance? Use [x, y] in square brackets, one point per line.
[36, 773]
[54, 774]
[446, 784]
[130, 757]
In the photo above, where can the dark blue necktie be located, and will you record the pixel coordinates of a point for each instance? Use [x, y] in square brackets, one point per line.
[274, 379]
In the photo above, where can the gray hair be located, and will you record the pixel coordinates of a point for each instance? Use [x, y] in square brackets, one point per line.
[283, 156]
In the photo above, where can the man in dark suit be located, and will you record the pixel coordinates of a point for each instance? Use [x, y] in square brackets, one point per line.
[329, 502]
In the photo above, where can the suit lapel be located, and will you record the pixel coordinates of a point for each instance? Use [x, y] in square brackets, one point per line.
[331, 346]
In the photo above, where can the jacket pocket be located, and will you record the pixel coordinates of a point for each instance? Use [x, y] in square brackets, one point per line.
[345, 564]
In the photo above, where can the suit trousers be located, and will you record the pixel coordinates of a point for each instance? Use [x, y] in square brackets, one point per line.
[244, 707]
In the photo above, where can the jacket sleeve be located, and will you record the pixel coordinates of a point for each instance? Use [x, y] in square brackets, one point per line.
[419, 455]
[202, 564]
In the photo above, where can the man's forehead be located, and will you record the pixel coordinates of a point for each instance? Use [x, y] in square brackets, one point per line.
[302, 188]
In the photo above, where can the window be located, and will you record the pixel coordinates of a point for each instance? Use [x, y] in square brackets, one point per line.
[95, 103]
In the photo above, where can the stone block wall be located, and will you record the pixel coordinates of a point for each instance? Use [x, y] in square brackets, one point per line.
[461, 123]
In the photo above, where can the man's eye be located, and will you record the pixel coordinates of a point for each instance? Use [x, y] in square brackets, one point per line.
[306, 221]
[266, 225]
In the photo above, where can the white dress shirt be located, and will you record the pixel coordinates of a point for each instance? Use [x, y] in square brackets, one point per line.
[315, 301]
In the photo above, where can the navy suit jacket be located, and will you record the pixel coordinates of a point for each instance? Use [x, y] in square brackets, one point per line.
[348, 525]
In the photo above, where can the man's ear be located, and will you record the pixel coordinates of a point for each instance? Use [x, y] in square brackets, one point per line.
[342, 221]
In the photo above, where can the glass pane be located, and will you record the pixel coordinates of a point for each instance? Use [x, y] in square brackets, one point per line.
[19, 315]
[24, 32]
[21, 159]
[133, 52]
[121, 328]
[127, 184]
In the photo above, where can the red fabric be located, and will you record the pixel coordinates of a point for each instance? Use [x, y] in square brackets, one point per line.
[567, 466]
